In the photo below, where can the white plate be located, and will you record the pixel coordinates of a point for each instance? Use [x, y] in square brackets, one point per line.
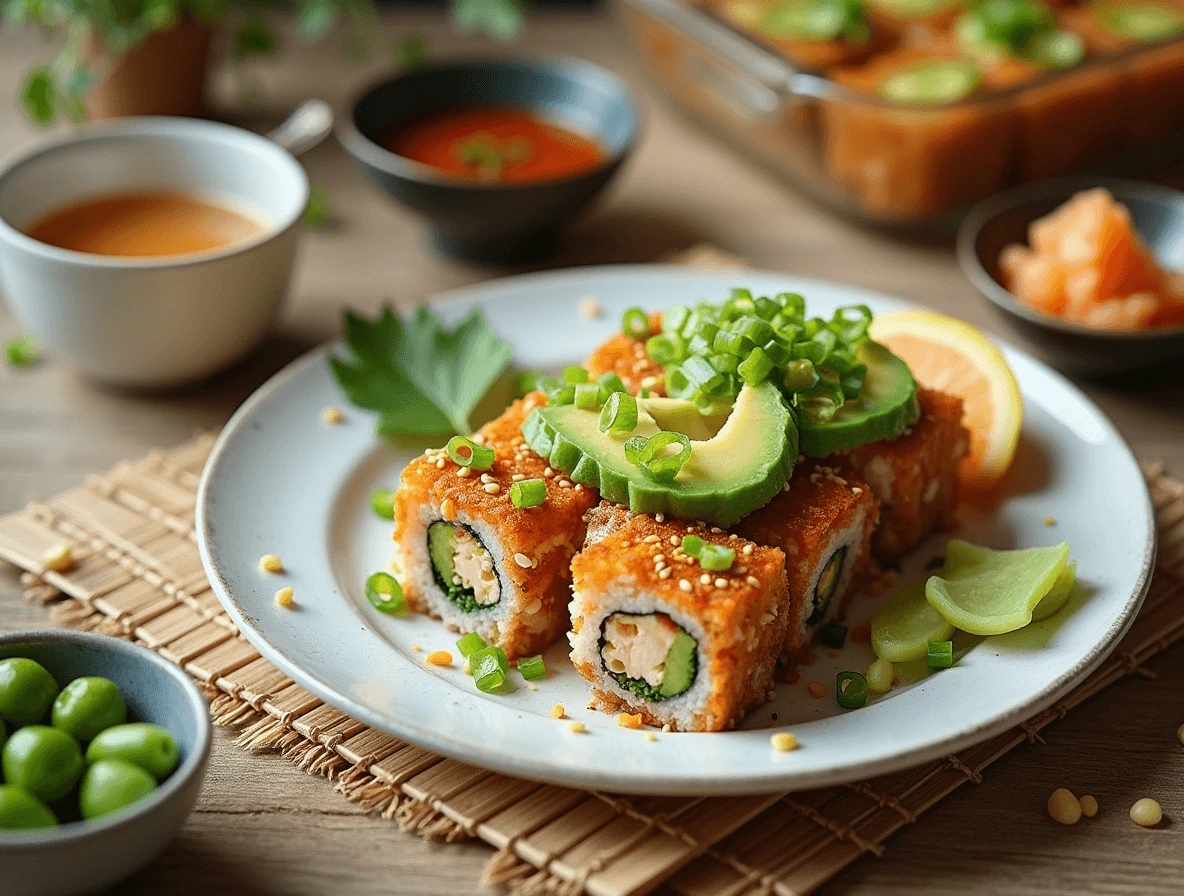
[281, 481]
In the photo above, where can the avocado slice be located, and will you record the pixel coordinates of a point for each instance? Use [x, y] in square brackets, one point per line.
[730, 472]
[886, 407]
[828, 580]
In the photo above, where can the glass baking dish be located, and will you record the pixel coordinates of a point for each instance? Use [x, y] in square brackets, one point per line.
[912, 166]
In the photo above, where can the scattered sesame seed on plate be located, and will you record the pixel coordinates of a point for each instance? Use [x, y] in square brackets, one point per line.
[576, 727]
[332, 415]
[58, 558]
[283, 598]
[271, 563]
[1146, 813]
[1064, 807]
[557, 711]
[817, 689]
[439, 658]
[783, 742]
[522, 560]
[590, 309]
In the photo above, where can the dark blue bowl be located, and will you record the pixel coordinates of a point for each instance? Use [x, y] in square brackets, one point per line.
[1158, 215]
[493, 223]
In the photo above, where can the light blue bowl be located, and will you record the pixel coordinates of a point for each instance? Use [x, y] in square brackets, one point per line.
[88, 856]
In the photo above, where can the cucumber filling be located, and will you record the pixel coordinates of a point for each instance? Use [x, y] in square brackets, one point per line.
[932, 83]
[828, 582]
[463, 567]
[649, 655]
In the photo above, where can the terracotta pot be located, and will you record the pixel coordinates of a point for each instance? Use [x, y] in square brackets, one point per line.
[165, 75]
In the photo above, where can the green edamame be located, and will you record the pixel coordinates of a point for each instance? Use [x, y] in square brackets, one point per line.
[142, 744]
[44, 761]
[20, 809]
[87, 706]
[111, 784]
[27, 691]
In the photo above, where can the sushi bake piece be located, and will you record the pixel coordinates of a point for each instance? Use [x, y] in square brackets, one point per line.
[659, 635]
[1150, 36]
[1069, 113]
[921, 143]
[626, 357]
[474, 560]
[813, 34]
[914, 476]
[823, 522]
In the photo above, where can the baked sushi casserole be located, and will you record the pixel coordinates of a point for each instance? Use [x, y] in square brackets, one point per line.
[942, 102]
[690, 508]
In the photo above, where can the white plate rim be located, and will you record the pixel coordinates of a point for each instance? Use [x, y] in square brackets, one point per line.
[769, 780]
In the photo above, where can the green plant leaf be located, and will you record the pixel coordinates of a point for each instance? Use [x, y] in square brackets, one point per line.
[421, 377]
[412, 52]
[501, 19]
[38, 97]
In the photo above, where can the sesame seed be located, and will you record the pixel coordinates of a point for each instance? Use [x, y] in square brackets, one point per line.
[1063, 807]
[783, 742]
[667, 728]
[716, 530]
[664, 572]
[522, 560]
[464, 472]
[530, 685]
[486, 478]
[439, 658]
[549, 473]
[271, 563]
[415, 648]
[557, 711]
[857, 491]
[721, 583]
[564, 483]
[753, 581]
[659, 517]
[58, 558]
[748, 548]
[478, 438]
[1146, 813]
[705, 579]
[576, 727]
[651, 737]
[332, 415]
[629, 720]
[448, 510]
[492, 488]
[651, 539]
[1089, 806]
[817, 689]
[1050, 521]
[440, 464]
[659, 558]
[741, 570]
[283, 598]
[675, 540]
[517, 477]
[684, 585]
[590, 309]
[649, 382]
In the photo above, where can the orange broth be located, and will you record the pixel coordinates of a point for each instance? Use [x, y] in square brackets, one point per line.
[496, 144]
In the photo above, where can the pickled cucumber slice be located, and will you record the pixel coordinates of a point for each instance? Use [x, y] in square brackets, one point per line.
[886, 407]
[682, 661]
[987, 592]
[903, 628]
[1058, 596]
[733, 472]
[932, 83]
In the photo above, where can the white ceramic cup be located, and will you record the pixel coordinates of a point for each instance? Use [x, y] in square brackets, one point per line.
[163, 321]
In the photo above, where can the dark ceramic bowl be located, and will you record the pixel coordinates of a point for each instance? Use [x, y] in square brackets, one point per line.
[89, 856]
[1158, 215]
[493, 222]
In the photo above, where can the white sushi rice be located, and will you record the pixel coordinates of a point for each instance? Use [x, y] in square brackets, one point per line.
[680, 711]
[850, 538]
[489, 622]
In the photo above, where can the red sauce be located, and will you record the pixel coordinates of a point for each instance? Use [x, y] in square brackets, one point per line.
[496, 144]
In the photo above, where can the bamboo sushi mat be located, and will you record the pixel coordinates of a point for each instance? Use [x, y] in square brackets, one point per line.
[137, 575]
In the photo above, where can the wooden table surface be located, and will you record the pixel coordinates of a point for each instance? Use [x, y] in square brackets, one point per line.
[263, 827]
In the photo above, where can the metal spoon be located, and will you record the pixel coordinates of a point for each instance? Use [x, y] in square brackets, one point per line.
[305, 128]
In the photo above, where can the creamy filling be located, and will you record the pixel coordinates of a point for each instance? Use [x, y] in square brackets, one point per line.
[636, 646]
[463, 567]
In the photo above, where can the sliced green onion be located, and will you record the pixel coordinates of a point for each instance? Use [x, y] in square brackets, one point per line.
[532, 668]
[659, 465]
[741, 297]
[777, 352]
[470, 644]
[851, 690]
[850, 323]
[692, 545]
[700, 372]
[528, 493]
[766, 308]
[587, 396]
[633, 448]
[879, 676]
[833, 635]
[21, 351]
[469, 454]
[940, 655]
[643, 392]
[635, 323]
[699, 345]
[755, 369]
[723, 362]
[382, 502]
[716, 557]
[674, 318]
[791, 303]
[609, 383]
[619, 414]
[678, 385]
[666, 348]
[573, 375]
[385, 593]
[800, 375]
[490, 668]
[732, 343]
[754, 329]
[528, 381]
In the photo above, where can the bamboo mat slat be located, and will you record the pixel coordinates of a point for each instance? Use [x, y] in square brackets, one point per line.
[137, 575]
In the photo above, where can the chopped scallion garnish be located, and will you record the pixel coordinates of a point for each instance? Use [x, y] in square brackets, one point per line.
[21, 351]
[587, 396]
[385, 593]
[660, 465]
[716, 557]
[528, 493]
[666, 348]
[489, 667]
[755, 369]
[633, 448]
[635, 323]
[609, 383]
[851, 690]
[692, 545]
[574, 375]
[528, 381]
[532, 668]
[468, 453]
[382, 502]
[619, 414]
[470, 644]
[940, 655]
